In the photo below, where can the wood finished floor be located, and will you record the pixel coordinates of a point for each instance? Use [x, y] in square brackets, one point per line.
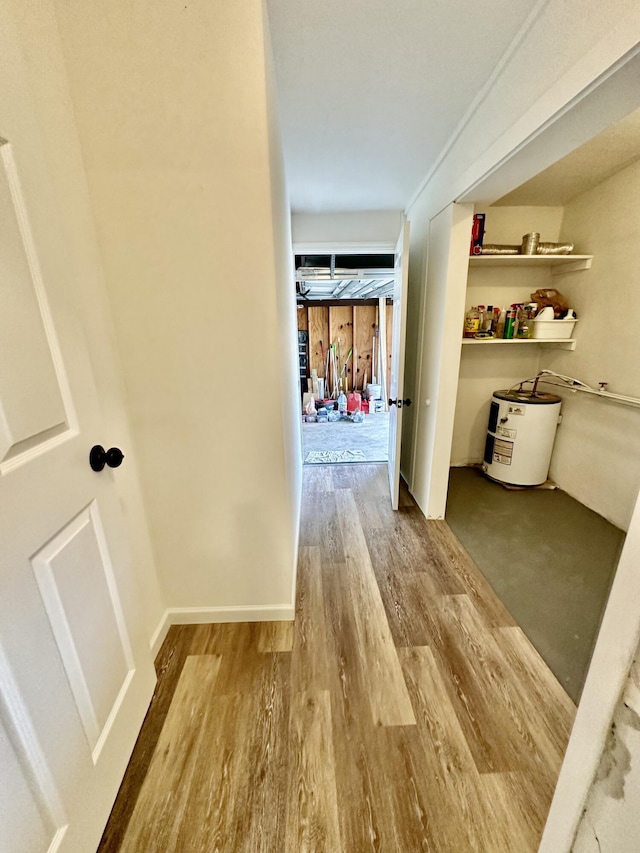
[404, 710]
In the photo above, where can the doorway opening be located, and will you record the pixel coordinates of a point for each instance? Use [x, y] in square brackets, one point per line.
[345, 328]
[551, 553]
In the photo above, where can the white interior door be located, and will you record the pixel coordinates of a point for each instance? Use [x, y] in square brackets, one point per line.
[396, 385]
[76, 673]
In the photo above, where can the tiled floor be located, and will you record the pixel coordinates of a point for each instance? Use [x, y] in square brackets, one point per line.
[371, 437]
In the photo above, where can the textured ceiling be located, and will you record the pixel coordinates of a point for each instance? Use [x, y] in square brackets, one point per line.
[586, 167]
[370, 91]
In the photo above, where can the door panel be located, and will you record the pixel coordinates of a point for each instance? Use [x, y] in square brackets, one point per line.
[32, 407]
[23, 827]
[76, 664]
[396, 385]
[31, 814]
[78, 589]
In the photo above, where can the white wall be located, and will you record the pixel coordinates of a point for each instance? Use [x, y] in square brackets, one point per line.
[485, 369]
[362, 228]
[597, 452]
[287, 315]
[84, 293]
[177, 130]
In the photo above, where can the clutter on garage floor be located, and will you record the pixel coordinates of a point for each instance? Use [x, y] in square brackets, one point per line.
[371, 438]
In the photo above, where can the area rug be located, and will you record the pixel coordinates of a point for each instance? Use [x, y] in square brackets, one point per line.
[326, 457]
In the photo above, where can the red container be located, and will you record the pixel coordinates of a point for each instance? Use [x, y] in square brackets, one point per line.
[354, 401]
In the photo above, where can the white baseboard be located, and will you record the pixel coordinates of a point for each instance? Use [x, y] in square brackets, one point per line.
[210, 615]
[157, 638]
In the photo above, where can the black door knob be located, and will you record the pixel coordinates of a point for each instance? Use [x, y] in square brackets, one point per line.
[400, 403]
[99, 457]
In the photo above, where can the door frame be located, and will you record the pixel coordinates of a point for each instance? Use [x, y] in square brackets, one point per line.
[345, 248]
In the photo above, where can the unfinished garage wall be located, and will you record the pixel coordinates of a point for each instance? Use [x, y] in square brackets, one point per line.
[597, 451]
[354, 326]
[177, 130]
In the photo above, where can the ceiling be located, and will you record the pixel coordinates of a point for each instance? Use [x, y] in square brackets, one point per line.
[330, 277]
[589, 165]
[370, 92]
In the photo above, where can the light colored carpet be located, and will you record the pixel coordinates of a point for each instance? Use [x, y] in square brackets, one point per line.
[371, 437]
[326, 457]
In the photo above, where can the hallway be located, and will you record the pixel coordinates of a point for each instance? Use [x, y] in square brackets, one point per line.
[404, 711]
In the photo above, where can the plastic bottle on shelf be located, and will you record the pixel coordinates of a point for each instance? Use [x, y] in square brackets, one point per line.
[487, 321]
[510, 323]
[471, 323]
[524, 327]
[488, 324]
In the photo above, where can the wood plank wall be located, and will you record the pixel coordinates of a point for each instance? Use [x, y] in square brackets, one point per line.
[355, 326]
[318, 324]
[341, 333]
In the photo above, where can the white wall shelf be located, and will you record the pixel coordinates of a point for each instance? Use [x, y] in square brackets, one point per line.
[559, 264]
[558, 343]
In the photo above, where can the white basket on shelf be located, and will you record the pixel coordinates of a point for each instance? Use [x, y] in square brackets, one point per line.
[552, 329]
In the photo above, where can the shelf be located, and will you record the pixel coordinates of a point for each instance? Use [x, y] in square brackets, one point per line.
[559, 264]
[558, 343]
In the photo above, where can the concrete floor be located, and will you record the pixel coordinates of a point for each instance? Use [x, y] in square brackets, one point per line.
[549, 558]
[371, 437]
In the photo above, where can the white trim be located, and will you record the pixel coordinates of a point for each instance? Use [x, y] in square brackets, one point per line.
[57, 840]
[115, 710]
[29, 752]
[234, 613]
[498, 71]
[417, 390]
[19, 205]
[158, 636]
[214, 615]
[605, 100]
[334, 248]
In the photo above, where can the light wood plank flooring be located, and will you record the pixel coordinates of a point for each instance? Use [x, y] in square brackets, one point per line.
[404, 710]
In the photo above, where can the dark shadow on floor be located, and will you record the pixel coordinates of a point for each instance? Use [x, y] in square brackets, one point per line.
[549, 558]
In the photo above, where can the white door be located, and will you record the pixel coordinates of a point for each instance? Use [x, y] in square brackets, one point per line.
[76, 674]
[396, 385]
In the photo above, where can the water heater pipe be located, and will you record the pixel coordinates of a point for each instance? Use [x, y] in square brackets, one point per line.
[576, 385]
